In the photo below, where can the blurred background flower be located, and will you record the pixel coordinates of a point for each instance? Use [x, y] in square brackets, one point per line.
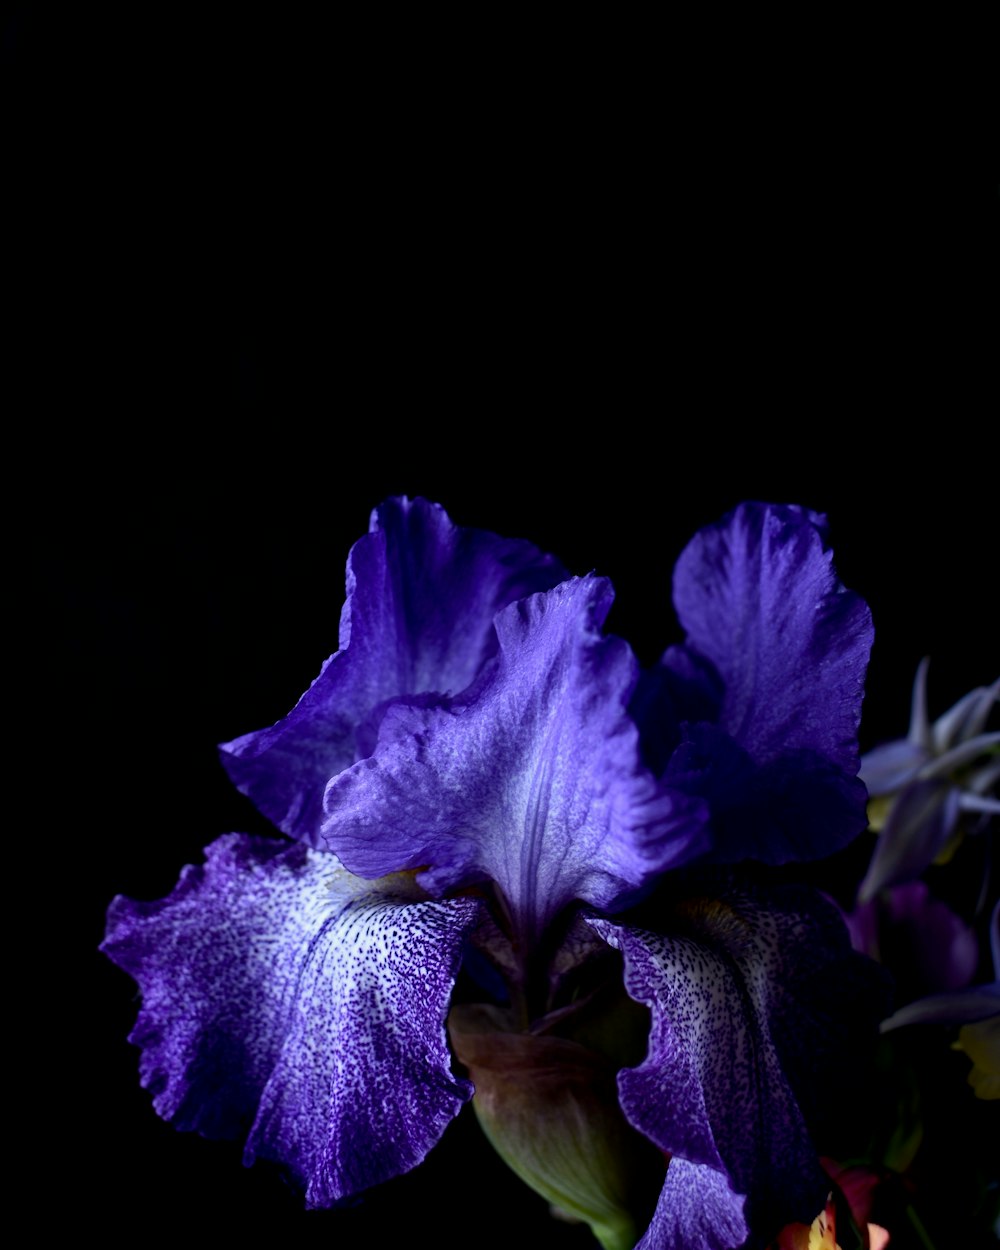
[929, 789]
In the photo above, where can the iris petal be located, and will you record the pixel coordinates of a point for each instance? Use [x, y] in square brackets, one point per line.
[753, 998]
[281, 993]
[759, 599]
[697, 1211]
[418, 620]
[535, 784]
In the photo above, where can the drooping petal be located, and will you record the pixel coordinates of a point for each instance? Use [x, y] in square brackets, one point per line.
[697, 1211]
[759, 598]
[418, 619]
[535, 784]
[277, 987]
[753, 999]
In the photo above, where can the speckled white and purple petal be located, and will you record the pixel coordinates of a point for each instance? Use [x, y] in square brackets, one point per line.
[363, 1086]
[418, 620]
[697, 1211]
[712, 1089]
[535, 784]
[280, 992]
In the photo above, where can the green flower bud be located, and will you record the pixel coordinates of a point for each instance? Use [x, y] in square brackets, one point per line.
[549, 1106]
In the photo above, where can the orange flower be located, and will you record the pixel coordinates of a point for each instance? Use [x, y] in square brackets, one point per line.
[857, 1185]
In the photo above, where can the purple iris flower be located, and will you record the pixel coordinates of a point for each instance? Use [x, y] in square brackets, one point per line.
[477, 780]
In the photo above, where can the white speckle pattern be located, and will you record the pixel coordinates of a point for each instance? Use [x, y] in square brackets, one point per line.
[697, 1211]
[713, 1089]
[277, 986]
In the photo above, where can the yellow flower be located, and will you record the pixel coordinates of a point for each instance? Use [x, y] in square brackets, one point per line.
[981, 1042]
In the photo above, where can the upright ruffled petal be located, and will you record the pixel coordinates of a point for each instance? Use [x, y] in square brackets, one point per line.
[750, 996]
[418, 619]
[759, 599]
[277, 986]
[536, 783]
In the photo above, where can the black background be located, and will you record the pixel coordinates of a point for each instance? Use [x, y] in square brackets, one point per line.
[274, 274]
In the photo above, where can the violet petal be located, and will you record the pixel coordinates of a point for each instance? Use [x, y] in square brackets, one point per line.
[697, 1211]
[277, 986]
[756, 1001]
[418, 619]
[535, 784]
[798, 807]
[759, 598]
